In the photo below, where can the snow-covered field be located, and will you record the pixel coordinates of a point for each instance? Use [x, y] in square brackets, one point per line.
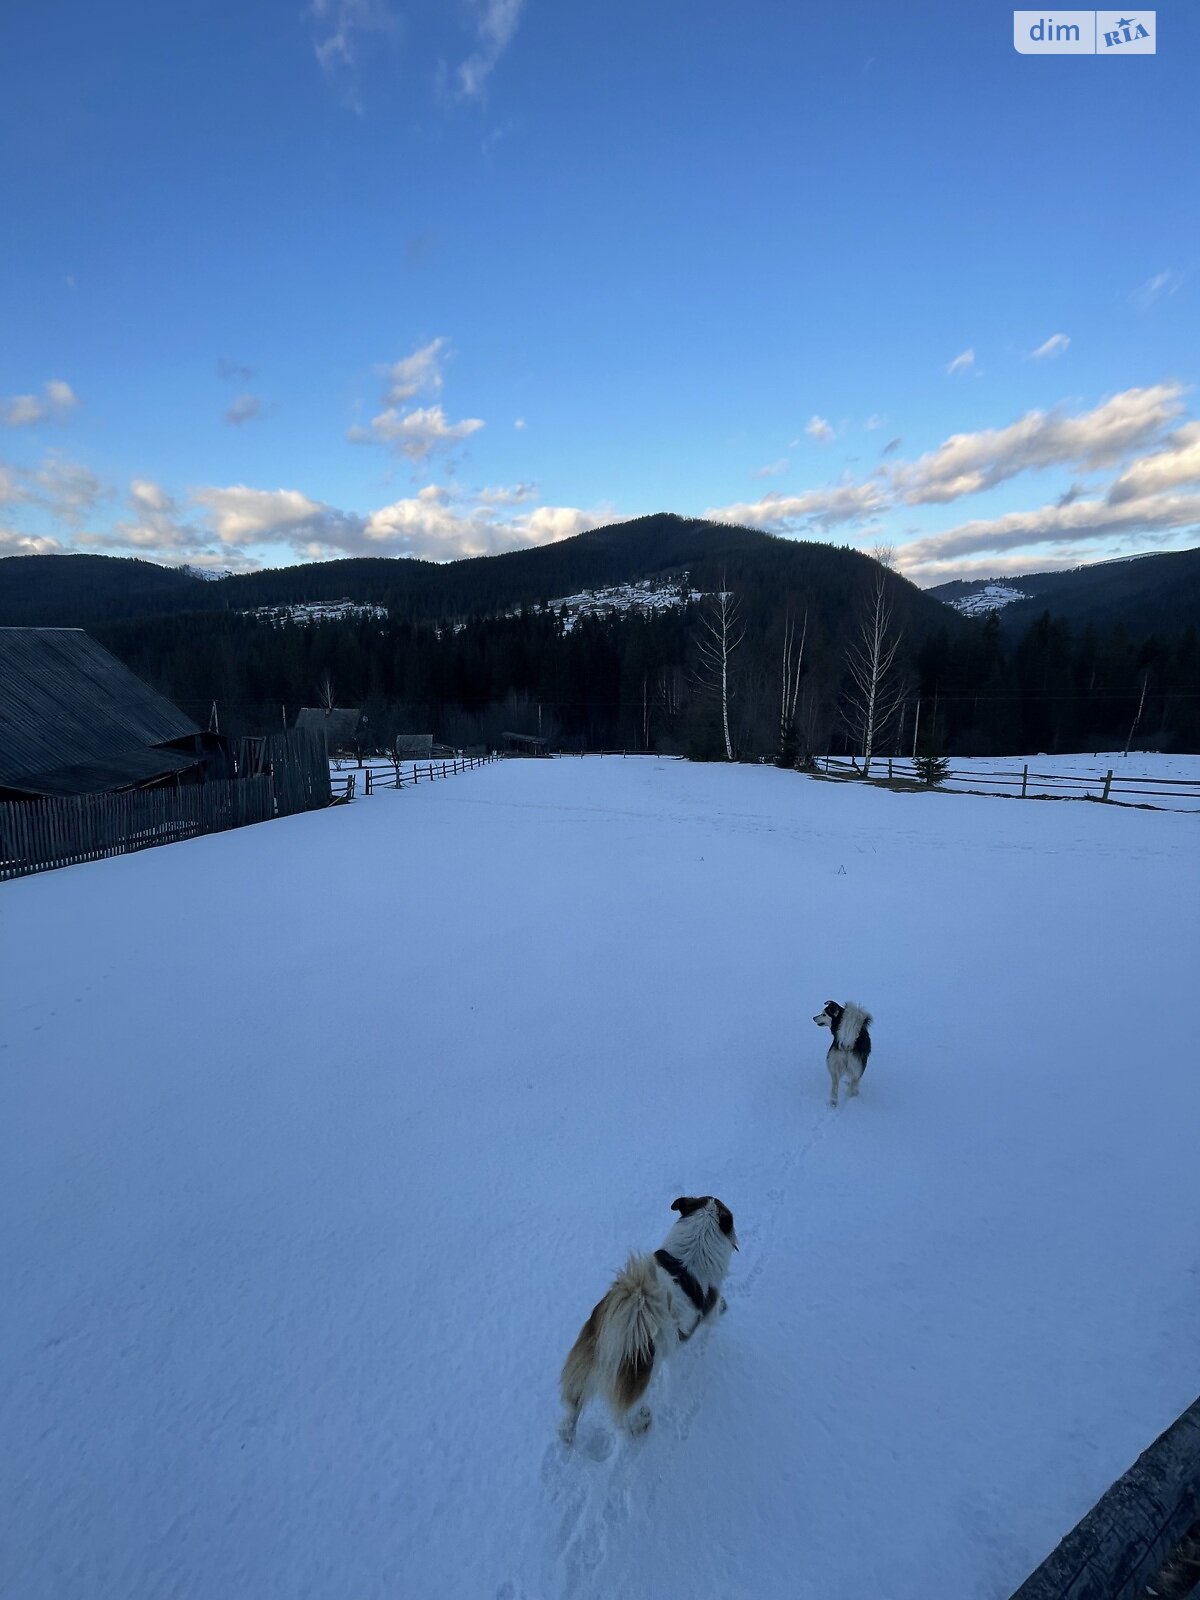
[319, 1140]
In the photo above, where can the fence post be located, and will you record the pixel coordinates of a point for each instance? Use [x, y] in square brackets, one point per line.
[1025, 781]
[1107, 783]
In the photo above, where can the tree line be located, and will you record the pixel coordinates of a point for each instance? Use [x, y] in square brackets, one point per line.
[751, 670]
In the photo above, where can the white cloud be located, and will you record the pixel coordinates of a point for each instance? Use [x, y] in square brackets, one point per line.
[1160, 287]
[519, 424]
[496, 24]
[56, 401]
[419, 373]
[969, 462]
[67, 489]
[1077, 521]
[819, 429]
[1177, 463]
[339, 28]
[241, 515]
[435, 524]
[817, 508]
[12, 489]
[931, 572]
[243, 408]
[1055, 345]
[963, 362]
[155, 525]
[415, 434]
[146, 496]
[773, 469]
[27, 544]
[514, 494]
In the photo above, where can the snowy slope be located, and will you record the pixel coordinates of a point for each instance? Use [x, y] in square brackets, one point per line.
[992, 596]
[319, 1140]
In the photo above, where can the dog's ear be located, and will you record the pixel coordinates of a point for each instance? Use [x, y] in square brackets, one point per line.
[687, 1203]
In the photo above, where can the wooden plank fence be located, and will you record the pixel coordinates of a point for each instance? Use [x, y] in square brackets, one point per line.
[1114, 786]
[284, 774]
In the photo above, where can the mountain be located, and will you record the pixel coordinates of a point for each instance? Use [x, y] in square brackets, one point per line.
[604, 641]
[79, 591]
[1156, 593]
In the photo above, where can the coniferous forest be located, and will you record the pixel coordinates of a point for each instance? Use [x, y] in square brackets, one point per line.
[470, 649]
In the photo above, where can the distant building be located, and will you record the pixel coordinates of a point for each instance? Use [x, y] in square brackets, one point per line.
[74, 720]
[340, 726]
[414, 746]
[525, 744]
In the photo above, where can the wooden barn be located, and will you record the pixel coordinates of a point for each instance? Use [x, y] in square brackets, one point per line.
[414, 746]
[75, 721]
[525, 744]
[341, 727]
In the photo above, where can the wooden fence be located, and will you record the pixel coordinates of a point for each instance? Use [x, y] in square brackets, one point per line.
[1122, 1543]
[284, 774]
[297, 764]
[400, 774]
[1112, 785]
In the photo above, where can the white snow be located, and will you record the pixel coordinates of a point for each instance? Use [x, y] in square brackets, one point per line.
[319, 1140]
[993, 596]
[647, 595]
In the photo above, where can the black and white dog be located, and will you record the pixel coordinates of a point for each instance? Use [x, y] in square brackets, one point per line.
[850, 1047]
[656, 1303]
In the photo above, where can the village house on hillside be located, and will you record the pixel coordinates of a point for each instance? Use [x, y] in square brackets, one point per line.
[74, 720]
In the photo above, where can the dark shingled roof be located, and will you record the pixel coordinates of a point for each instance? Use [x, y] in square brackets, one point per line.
[74, 720]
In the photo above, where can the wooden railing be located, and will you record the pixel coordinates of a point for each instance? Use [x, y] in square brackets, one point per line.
[1113, 785]
[377, 774]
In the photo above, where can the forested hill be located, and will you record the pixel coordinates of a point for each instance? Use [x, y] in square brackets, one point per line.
[79, 591]
[473, 647]
[1159, 592]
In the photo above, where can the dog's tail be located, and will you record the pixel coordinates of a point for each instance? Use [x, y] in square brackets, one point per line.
[854, 1020]
[636, 1309]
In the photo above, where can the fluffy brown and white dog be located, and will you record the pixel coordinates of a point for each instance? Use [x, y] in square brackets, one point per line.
[849, 1047]
[656, 1303]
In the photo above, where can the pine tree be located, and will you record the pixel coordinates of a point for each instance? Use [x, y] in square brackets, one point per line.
[931, 768]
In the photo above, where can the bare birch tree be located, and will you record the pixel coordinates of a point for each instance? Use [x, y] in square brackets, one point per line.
[793, 660]
[876, 688]
[721, 632]
[325, 693]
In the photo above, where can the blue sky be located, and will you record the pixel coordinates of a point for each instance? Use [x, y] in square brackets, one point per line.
[405, 277]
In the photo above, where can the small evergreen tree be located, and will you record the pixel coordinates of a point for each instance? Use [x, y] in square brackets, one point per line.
[932, 769]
